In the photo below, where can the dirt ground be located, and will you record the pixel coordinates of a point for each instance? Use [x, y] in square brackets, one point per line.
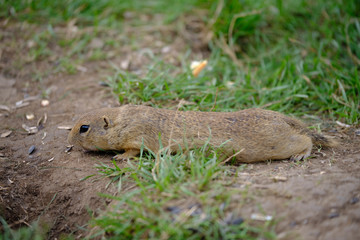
[316, 199]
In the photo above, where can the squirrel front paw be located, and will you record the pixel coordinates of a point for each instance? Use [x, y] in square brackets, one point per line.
[128, 154]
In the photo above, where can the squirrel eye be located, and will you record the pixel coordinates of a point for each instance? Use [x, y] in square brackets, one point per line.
[84, 128]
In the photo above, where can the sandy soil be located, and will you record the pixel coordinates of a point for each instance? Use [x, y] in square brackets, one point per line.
[316, 199]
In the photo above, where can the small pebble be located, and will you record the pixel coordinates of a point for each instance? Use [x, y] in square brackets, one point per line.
[236, 221]
[333, 215]
[104, 84]
[31, 149]
[196, 212]
[193, 230]
[354, 200]
[293, 223]
[357, 132]
[174, 209]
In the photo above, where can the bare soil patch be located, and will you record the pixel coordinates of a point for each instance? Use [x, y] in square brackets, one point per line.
[316, 199]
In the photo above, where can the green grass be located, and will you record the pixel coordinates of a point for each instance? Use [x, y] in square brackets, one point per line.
[287, 62]
[25, 233]
[177, 197]
[299, 57]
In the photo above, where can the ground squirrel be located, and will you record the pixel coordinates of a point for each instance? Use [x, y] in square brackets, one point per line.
[260, 134]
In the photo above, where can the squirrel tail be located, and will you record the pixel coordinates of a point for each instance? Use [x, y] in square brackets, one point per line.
[323, 141]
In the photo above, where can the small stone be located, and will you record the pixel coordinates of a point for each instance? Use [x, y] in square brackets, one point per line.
[174, 209]
[293, 223]
[32, 149]
[357, 132]
[333, 215]
[354, 200]
[104, 84]
[236, 221]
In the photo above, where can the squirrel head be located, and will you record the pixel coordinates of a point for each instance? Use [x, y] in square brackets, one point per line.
[91, 130]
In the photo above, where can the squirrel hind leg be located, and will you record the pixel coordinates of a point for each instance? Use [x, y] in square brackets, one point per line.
[302, 155]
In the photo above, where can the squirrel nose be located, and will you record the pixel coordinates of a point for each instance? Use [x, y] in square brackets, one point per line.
[70, 138]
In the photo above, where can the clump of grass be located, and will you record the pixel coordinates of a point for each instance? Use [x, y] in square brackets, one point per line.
[224, 87]
[33, 232]
[177, 197]
[90, 12]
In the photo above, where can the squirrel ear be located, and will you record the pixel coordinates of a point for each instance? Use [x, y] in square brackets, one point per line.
[107, 122]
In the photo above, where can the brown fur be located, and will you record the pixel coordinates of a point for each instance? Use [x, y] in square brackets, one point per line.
[262, 134]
